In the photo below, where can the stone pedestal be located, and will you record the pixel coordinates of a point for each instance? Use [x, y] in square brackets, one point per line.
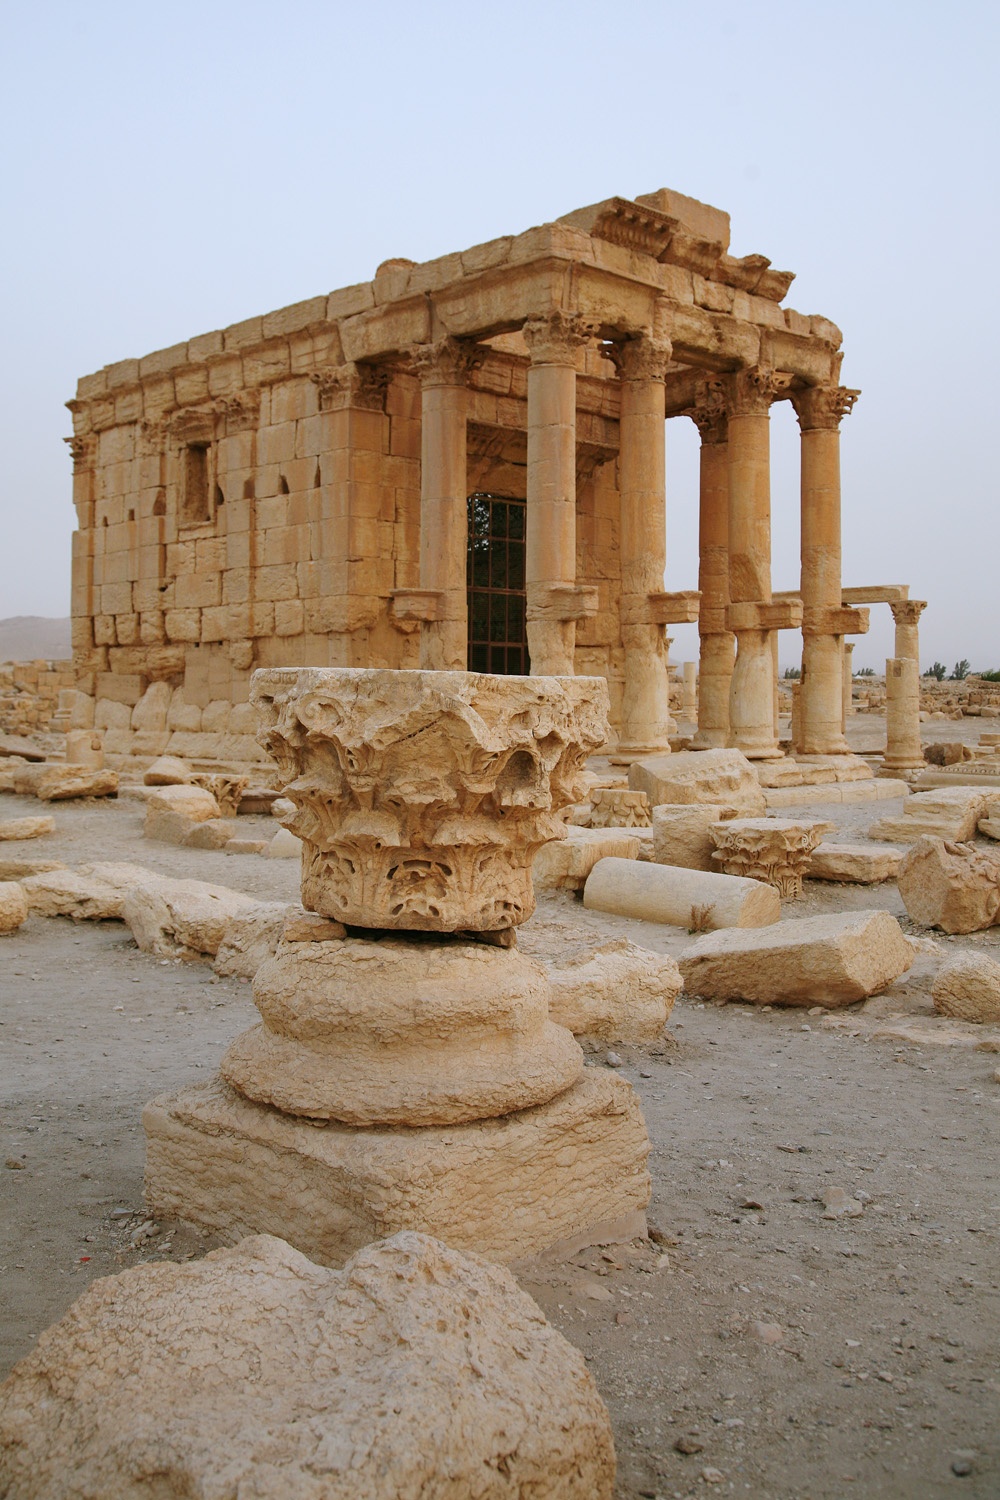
[405, 1077]
[774, 850]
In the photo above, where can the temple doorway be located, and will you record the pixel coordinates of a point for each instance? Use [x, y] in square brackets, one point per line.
[498, 639]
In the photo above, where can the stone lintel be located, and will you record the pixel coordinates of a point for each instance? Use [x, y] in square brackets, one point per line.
[843, 621]
[876, 593]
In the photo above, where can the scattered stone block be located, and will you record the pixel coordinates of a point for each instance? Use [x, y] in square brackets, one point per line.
[969, 988]
[21, 746]
[60, 783]
[693, 899]
[225, 788]
[414, 1370]
[168, 770]
[21, 869]
[90, 893]
[284, 845]
[831, 961]
[261, 799]
[945, 812]
[614, 993]
[564, 864]
[85, 747]
[854, 864]
[989, 823]
[214, 833]
[725, 776]
[172, 812]
[506, 1187]
[250, 938]
[182, 918]
[952, 886]
[681, 834]
[13, 906]
[246, 846]
[26, 828]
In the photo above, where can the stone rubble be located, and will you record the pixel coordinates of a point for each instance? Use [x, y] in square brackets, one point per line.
[953, 886]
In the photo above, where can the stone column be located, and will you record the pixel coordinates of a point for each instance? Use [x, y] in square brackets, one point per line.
[820, 410]
[550, 549]
[689, 698]
[642, 364]
[717, 644]
[903, 751]
[750, 613]
[848, 680]
[906, 613]
[444, 635]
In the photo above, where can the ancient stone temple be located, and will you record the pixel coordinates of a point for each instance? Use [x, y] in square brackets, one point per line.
[460, 465]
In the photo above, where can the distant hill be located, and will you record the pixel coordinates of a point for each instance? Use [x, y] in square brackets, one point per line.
[29, 637]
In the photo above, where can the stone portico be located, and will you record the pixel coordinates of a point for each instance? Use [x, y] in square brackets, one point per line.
[298, 489]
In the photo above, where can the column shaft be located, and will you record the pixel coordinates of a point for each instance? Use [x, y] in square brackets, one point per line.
[550, 534]
[820, 410]
[903, 750]
[717, 644]
[443, 504]
[751, 699]
[642, 542]
[848, 681]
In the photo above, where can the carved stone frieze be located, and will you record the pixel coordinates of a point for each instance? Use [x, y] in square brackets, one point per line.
[553, 338]
[421, 798]
[619, 807]
[823, 406]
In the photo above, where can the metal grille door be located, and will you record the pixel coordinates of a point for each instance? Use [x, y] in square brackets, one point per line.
[495, 579]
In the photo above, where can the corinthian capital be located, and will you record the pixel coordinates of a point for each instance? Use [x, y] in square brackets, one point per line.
[907, 611]
[709, 413]
[750, 392]
[446, 362]
[823, 406]
[352, 385]
[553, 338]
[641, 358]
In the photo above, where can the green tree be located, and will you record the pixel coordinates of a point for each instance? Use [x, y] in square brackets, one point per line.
[961, 671]
[938, 670]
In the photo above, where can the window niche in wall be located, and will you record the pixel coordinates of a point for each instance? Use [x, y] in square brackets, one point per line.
[194, 490]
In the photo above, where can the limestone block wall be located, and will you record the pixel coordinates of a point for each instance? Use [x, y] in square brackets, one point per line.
[29, 693]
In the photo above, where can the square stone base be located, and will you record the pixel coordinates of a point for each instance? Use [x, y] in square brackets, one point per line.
[570, 1170]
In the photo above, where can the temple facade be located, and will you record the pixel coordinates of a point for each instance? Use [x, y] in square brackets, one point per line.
[460, 465]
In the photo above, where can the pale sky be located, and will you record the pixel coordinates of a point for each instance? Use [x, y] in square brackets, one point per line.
[171, 170]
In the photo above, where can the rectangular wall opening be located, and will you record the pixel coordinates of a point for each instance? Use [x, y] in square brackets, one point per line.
[498, 640]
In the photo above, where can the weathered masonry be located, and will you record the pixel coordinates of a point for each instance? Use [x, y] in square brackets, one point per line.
[461, 464]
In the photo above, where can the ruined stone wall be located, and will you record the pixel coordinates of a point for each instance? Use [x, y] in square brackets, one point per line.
[29, 694]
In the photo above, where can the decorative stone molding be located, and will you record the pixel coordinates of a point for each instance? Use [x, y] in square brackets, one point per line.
[421, 798]
[240, 411]
[775, 850]
[357, 385]
[553, 338]
[709, 414]
[640, 358]
[823, 406]
[749, 393]
[83, 451]
[618, 807]
[447, 362]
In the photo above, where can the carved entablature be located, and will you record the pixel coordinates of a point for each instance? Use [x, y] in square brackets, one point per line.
[710, 415]
[624, 223]
[553, 338]
[750, 392]
[83, 451]
[358, 385]
[422, 798]
[447, 362]
[640, 358]
[823, 406]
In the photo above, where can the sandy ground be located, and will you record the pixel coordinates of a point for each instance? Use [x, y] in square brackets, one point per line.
[791, 1355]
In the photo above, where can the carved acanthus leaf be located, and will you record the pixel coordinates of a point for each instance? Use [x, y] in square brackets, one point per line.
[448, 361]
[823, 406]
[358, 385]
[750, 392]
[553, 338]
[640, 358]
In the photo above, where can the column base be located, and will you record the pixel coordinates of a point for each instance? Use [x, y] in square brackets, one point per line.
[504, 1188]
[844, 765]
